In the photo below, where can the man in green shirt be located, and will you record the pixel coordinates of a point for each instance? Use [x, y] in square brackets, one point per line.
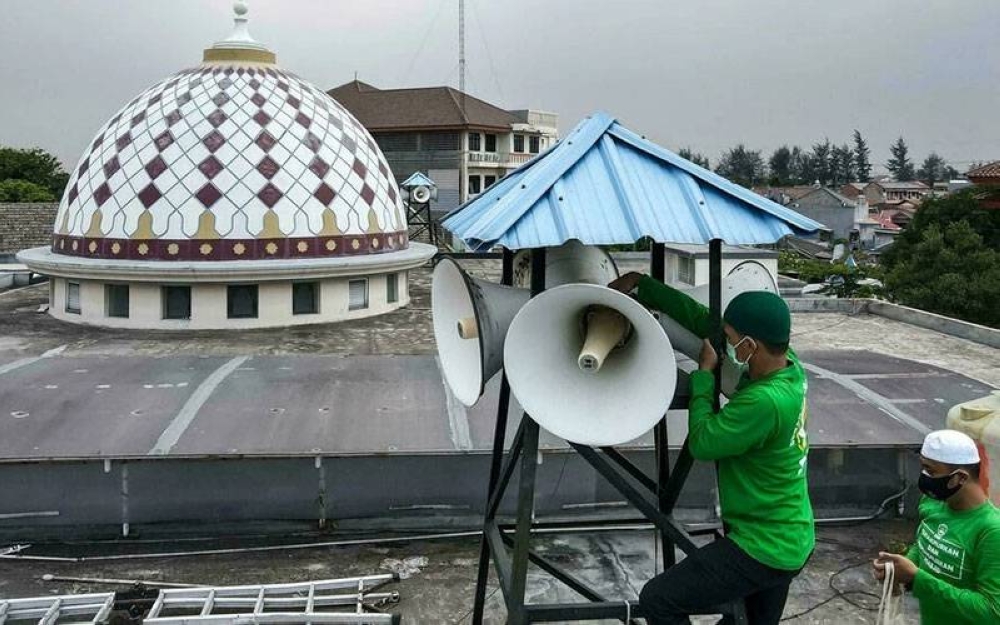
[759, 443]
[954, 566]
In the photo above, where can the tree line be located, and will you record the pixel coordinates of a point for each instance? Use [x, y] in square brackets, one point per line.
[31, 175]
[825, 162]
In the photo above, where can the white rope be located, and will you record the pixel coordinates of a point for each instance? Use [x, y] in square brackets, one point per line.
[628, 611]
[889, 608]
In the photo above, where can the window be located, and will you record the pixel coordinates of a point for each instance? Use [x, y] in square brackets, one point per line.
[242, 301]
[488, 181]
[116, 297]
[305, 298]
[357, 294]
[491, 143]
[474, 185]
[73, 297]
[685, 270]
[176, 302]
[519, 143]
[534, 145]
[474, 142]
[392, 288]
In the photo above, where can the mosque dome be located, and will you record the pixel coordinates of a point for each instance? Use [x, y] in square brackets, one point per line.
[230, 195]
[235, 159]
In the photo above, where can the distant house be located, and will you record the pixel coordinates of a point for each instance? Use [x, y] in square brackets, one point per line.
[853, 189]
[825, 205]
[462, 143]
[884, 191]
[987, 181]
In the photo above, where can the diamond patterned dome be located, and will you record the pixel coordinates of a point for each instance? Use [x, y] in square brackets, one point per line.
[234, 159]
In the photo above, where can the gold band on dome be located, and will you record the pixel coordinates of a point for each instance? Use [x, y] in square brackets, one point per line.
[238, 54]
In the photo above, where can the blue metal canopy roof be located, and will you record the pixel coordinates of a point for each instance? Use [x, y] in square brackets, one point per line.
[418, 179]
[603, 184]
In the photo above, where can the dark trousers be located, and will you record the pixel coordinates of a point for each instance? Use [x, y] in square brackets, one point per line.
[716, 574]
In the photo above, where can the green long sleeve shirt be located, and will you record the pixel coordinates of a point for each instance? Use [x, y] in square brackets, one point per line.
[957, 554]
[758, 440]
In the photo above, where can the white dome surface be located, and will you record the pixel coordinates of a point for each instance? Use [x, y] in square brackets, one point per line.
[231, 160]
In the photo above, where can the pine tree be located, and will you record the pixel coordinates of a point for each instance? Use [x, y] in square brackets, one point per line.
[695, 157]
[862, 166]
[900, 164]
[742, 166]
[780, 165]
[842, 164]
[933, 170]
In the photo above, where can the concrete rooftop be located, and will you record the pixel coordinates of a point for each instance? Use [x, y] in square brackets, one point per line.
[616, 563]
[373, 386]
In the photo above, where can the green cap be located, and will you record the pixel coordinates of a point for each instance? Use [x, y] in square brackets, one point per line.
[761, 315]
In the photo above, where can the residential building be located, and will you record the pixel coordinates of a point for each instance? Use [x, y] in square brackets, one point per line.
[462, 143]
[887, 191]
[823, 204]
[987, 181]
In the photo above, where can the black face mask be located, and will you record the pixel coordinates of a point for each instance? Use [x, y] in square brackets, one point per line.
[937, 487]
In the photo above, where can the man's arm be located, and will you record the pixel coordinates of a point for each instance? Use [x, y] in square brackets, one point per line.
[680, 307]
[980, 604]
[741, 425]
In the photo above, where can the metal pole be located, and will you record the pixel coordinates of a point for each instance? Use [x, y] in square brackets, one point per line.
[517, 615]
[660, 438]
[715, 308]
[499, 434]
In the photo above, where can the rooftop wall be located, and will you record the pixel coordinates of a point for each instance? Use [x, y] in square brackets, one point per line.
[25, 225]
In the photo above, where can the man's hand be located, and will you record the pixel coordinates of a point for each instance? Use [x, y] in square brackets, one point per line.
[906, 570]
[625, 282]
[708, 359]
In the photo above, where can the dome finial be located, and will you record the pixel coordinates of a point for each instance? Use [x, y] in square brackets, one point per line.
[239, 39]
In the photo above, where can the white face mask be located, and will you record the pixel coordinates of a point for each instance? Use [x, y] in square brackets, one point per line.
[731, 353]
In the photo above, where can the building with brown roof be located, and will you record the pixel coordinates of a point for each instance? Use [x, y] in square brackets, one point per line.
[462, 143]
[987, 181]
[880, 192]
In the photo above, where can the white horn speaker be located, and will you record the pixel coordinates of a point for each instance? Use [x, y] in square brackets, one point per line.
[570, 263]
[471, 318]
[746, 276]
[590, 365]
[421, 195]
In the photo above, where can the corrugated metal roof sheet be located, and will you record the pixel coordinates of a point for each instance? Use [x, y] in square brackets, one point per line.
[603, 184]
[418, 179]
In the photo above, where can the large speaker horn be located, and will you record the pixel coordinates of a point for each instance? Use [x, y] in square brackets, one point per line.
[590, 365]
[471, 318]
[570, 263]
[746, 276]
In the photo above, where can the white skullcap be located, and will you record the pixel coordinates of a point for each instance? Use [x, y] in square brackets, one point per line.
[950, 447]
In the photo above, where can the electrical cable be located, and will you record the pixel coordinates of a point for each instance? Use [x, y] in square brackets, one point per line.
[486, 45]
[840, 594]
[462, 618]
[420, 48]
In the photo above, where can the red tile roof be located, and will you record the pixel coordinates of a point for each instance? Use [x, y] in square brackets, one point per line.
[991, 170]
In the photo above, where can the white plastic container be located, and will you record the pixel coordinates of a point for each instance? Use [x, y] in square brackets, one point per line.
[980, 419]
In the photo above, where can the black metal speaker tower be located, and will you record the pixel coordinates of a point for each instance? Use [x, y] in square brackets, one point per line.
[419, 220]
[508, 547]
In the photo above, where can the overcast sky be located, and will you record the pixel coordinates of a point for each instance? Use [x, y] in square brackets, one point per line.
[701, 73]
